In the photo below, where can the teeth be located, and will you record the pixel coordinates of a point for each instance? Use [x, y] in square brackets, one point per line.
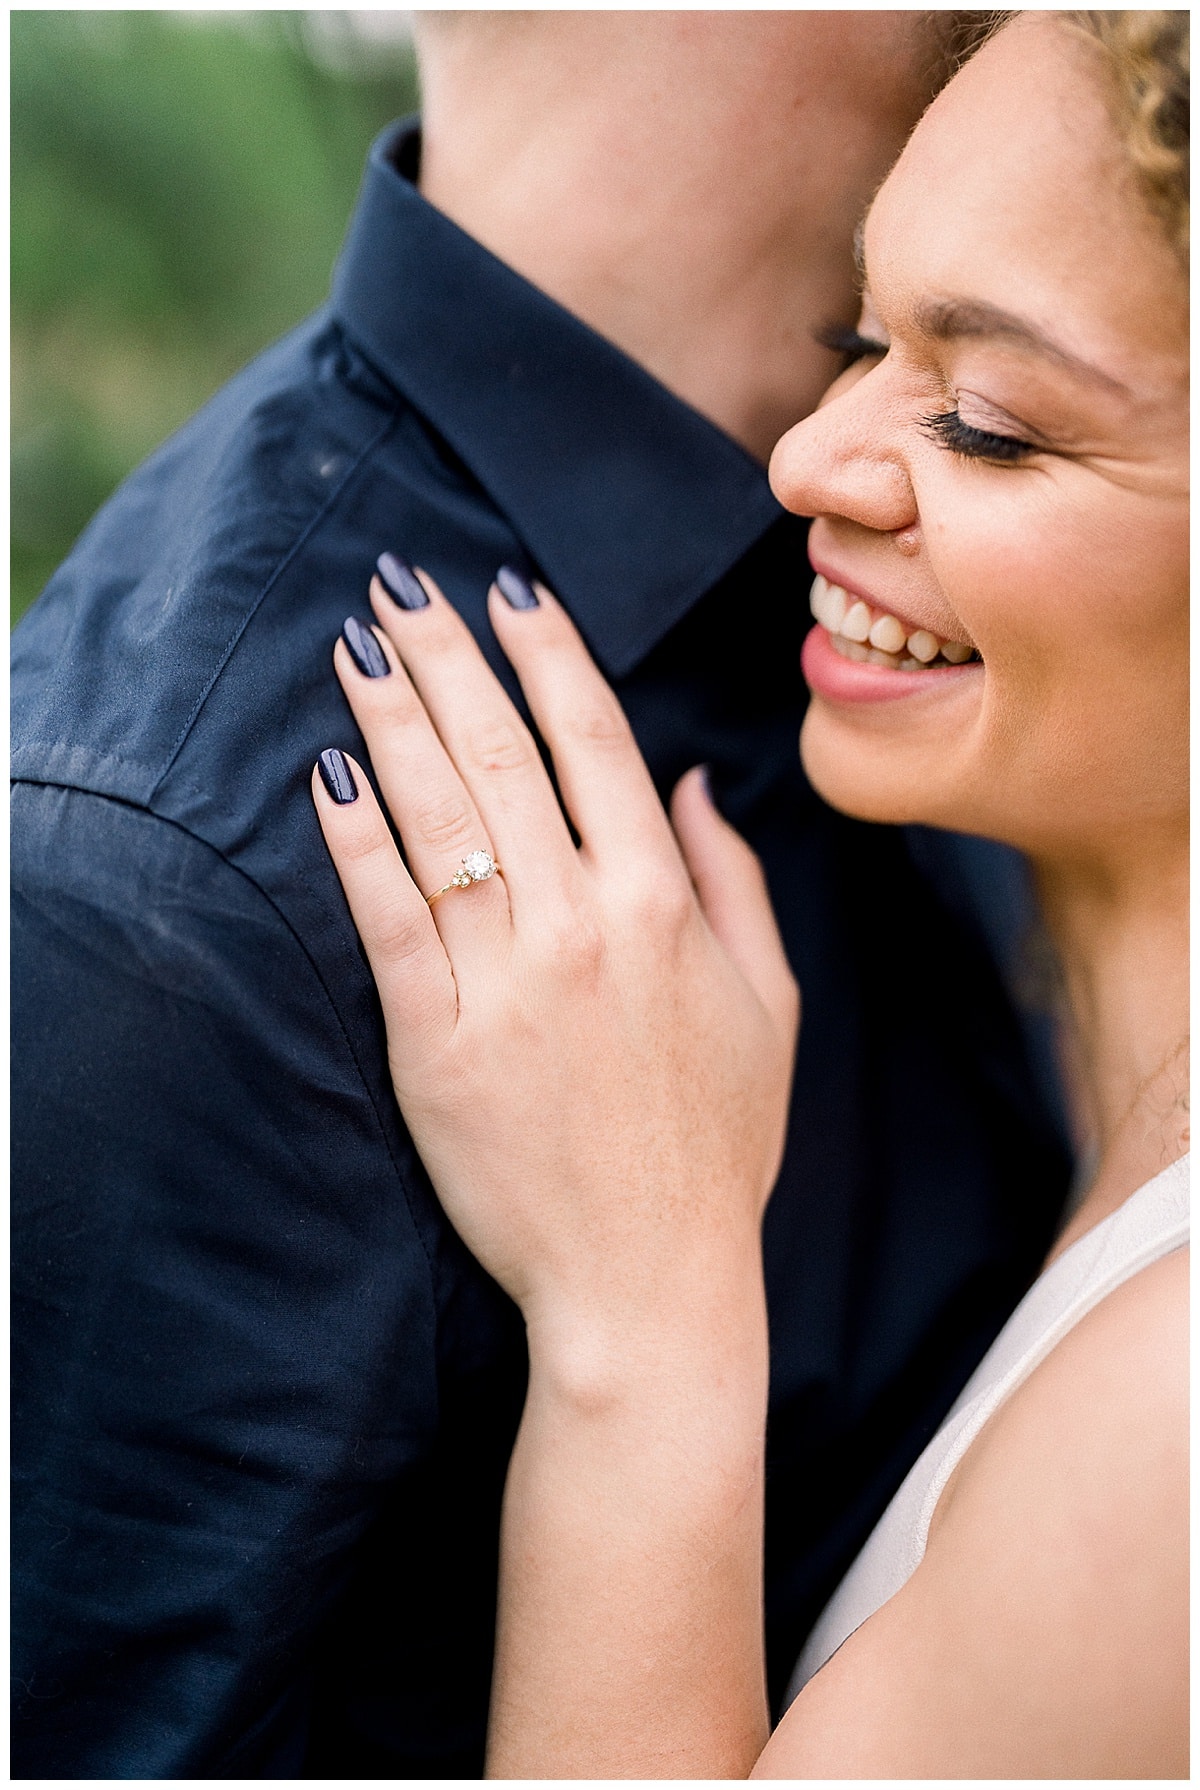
[857, 623]
[828, 603]
[851, 649]
[887, 634]
[836, 605]
[876, 638]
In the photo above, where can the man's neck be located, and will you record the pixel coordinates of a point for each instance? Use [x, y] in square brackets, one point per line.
[689, 191]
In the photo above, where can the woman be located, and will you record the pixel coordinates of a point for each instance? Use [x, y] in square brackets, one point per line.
[999, 487]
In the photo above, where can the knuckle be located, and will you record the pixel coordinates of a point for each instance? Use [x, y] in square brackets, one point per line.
[442, 821]
[396, 937]
[363, 846]
[450, 642]
[659, 900]
[501, 745]
[599, 721]
[442, 631]
[396, 702]
[573, 940]
[392, 716]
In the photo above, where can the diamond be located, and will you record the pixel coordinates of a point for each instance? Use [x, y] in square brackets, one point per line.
[479, 865]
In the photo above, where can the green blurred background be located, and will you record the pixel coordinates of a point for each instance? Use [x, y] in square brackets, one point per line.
[180, 186]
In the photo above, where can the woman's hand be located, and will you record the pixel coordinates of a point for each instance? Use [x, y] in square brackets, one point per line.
[592, 1049]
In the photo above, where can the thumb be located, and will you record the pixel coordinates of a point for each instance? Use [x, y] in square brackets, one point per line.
[733, 895]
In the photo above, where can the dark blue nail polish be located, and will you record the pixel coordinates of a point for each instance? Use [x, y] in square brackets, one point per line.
[517, 591]
[401, 582]
[336, 776]
[365, 649]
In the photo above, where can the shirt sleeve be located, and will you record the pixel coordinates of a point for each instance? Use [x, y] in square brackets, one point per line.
[224, 1334]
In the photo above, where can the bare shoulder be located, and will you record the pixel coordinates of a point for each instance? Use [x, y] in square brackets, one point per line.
[1116, 1386]
[1090, 1454]
[1045, 1632]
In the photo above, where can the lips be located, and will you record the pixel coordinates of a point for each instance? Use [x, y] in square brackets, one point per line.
[861, 632]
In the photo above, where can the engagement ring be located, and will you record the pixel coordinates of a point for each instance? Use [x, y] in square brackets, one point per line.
[477, 866]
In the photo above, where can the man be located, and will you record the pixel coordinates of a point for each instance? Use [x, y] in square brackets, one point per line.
[264, 1397]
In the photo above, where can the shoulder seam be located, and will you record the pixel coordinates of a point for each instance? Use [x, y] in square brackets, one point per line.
[167, 821]
[306, 532]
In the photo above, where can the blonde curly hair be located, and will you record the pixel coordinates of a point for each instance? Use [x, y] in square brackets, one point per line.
[1147, 57]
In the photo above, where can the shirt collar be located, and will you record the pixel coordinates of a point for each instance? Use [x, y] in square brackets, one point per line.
[630, 504]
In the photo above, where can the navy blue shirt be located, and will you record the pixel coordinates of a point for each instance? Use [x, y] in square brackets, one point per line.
[264, 1397]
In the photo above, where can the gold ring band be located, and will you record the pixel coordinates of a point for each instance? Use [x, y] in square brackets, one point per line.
[476, 867]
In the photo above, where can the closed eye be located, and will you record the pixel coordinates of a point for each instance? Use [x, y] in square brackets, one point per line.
[849, 342]
[946, 427]
[949, 431]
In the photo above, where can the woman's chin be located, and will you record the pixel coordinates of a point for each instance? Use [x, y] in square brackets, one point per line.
[893, 745]
[862, 777]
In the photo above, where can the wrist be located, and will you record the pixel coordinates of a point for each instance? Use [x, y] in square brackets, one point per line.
[656, 1341]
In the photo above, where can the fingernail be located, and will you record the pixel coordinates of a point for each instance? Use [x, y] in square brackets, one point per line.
[706, 783]
[336, 776]
[516, 590]
[365, 649]
[401, 582]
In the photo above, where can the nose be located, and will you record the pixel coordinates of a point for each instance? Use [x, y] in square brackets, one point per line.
[844, 461]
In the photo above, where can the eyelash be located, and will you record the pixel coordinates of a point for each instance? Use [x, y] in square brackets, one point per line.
[849, 342]
[946, 427]
[949, 431]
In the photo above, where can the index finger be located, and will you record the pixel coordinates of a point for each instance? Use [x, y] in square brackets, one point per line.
[404, 948]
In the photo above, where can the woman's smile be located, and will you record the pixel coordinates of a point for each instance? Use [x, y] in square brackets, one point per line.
[859, 646]
[882, 636]
[841, 670]
[998, 480]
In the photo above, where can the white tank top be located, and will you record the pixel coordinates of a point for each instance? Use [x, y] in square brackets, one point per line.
[1151, 1223]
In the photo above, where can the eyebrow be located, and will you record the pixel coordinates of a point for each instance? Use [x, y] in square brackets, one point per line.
[946, 319]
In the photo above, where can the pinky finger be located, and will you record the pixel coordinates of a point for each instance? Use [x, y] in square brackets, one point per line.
[407, 957]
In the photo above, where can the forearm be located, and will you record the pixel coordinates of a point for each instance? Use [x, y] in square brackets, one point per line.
[630, 1630]
[601, 1051]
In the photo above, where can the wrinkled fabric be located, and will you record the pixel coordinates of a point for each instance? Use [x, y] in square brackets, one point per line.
[263, 1397]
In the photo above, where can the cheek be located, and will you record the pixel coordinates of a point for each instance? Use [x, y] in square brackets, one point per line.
[1044, 579]
[1077, 599]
